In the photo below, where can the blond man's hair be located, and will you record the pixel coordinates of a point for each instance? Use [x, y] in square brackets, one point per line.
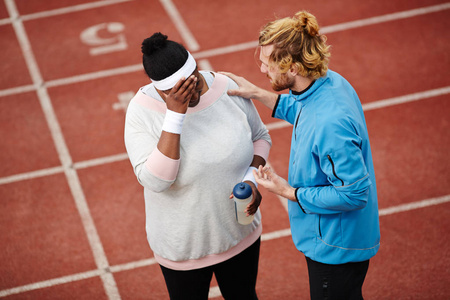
[297, 42]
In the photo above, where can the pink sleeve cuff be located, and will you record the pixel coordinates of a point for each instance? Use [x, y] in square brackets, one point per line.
[261, 148]
[162, 166]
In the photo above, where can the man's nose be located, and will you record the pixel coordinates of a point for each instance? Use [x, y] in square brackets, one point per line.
[263, 69]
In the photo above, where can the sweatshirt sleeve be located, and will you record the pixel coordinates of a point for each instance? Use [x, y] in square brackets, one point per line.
[340, 158]
[153, 169]
[260, 134]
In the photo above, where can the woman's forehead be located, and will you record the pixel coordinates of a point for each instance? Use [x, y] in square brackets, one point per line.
[195, 73]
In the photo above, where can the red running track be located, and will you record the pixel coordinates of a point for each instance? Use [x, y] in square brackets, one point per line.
[72, 212]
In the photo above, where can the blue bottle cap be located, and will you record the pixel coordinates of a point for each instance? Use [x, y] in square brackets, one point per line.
[242, 190]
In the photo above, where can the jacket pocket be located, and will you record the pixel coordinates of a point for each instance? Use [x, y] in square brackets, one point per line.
[330, 229]
[334, 170]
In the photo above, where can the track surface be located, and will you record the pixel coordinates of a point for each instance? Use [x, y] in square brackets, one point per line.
[71, 210]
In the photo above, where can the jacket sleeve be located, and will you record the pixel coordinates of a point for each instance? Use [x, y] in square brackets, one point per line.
[338, 151]
[286, 108]
[153, 169]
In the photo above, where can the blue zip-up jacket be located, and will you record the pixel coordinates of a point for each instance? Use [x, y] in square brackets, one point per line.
[335, 219]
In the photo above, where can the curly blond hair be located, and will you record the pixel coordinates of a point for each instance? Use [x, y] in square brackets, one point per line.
[297, 42]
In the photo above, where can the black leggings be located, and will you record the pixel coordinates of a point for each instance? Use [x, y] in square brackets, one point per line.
[236, 278]
[329, 282]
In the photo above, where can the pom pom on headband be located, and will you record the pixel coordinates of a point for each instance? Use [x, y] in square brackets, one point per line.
[185, 71]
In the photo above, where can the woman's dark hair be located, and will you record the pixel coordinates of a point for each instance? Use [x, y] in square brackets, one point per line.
[162, 57]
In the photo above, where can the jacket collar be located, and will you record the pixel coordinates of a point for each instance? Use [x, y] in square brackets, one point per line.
[310, 89]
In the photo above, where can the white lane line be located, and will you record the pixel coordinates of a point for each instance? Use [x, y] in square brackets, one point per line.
[95, 75]
[275, 234]
[5, 21]
[100, 161]
[406, 98]
[31, 175]
[77, 277]
[215, 292]
[50, 283]
[414, 205]
[277, 125]
[64, 10]
[226, 50]
[181, 26]
[204, 64]
[55, 170]
[63, 152]
[385, 18]
[133, 265]
[18, 90]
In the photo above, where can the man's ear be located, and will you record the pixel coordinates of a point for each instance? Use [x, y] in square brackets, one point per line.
[293, 70]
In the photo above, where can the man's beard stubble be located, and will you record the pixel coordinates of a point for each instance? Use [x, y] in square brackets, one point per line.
[282, 83]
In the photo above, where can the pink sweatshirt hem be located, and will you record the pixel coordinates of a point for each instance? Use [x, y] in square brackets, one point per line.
[212, 259]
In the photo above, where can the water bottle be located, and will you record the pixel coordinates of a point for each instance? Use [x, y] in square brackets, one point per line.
[242, 193]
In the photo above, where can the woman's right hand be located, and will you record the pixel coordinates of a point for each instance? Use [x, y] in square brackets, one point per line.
[178, 98]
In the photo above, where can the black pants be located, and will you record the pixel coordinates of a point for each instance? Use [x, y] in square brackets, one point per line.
[336, 282]
[236, 278]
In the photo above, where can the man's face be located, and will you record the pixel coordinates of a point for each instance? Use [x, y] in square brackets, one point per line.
[280, 81]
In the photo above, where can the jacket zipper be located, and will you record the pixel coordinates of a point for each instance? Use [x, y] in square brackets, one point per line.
[296, 123]
[334, 171]
[320, 231]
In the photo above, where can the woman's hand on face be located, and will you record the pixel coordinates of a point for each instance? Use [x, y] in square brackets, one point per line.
[178, 98]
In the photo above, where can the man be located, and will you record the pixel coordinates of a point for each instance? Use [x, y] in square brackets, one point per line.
[333, 210]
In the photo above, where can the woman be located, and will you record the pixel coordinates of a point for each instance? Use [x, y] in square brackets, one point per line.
[190, 143]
